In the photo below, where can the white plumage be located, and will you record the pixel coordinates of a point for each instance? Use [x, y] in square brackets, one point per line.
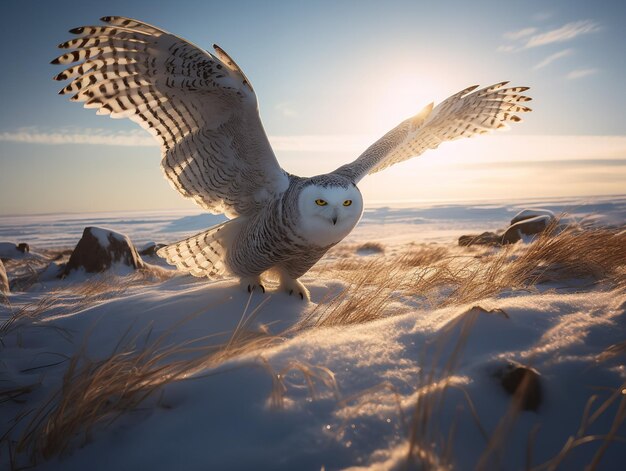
[203, 111]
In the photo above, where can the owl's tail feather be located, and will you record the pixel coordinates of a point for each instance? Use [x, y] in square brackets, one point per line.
[203, 254]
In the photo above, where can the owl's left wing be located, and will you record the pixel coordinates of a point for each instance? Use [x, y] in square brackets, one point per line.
[464, 114]
[200, 107]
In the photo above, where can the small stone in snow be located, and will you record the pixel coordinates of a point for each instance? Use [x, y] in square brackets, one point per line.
[522, 382]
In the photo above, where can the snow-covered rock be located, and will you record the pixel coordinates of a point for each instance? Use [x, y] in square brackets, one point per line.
[99, 249]
[4, 280]
[527, 222]
[526, 227]
[531, 213]
[10, 251]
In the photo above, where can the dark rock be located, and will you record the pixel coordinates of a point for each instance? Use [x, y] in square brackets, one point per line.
[486, 238]
[99, 249]
[150, 249]
[12, 251]
[370, 248]
[4, 280]
[528, 227]
[531, 213]
[522, 382]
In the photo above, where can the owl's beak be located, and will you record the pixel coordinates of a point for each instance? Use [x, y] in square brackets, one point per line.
[334, 218]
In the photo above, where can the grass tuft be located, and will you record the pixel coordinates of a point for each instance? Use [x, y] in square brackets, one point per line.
[436, 277]
[96, 392]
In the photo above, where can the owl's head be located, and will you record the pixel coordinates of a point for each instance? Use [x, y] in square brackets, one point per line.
[329, 209]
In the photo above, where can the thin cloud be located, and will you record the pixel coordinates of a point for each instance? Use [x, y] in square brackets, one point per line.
[553, 57]
[527, 147]
[139, 138]
[95, 137]
[580, 73]
[564, 33]
[522, 33]
[526, 38]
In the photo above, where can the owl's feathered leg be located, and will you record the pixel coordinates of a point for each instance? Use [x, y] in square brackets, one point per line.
[292, 286]
[252, 283]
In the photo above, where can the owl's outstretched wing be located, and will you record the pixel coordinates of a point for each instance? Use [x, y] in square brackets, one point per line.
[200, 107]
[464, 114]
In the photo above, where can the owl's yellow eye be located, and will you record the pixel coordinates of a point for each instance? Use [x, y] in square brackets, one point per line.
[321, 202]
[347, 202]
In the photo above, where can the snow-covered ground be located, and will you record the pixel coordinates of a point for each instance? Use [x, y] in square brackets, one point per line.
[303, 395]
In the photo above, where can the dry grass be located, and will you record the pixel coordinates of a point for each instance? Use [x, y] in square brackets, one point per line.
[439, 278]
[313, 375]
[613, 351]
[27, 272]
[67, 299]
[16, 393]
[583, 436]
[98, 392]
[95, 393]
[31, 314]
[429, 446]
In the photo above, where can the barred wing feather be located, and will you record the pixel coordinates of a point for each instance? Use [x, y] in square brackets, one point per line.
[464, 114]
[199, 106]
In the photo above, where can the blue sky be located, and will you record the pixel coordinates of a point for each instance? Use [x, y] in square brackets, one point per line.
[332, 77]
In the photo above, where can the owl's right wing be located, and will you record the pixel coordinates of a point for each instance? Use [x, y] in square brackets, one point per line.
[464, 114]
[200, 107]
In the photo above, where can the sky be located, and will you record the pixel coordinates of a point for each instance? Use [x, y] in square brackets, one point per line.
[331, 78]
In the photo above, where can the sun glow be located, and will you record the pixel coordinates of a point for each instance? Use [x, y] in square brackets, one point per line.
[403, 93]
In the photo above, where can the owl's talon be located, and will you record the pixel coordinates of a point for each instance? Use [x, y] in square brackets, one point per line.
[290, 286]
[251, 284]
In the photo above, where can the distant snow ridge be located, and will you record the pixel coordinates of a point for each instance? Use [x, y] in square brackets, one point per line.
[99, 249]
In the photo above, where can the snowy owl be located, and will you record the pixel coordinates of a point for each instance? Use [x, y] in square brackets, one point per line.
[203, 111]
